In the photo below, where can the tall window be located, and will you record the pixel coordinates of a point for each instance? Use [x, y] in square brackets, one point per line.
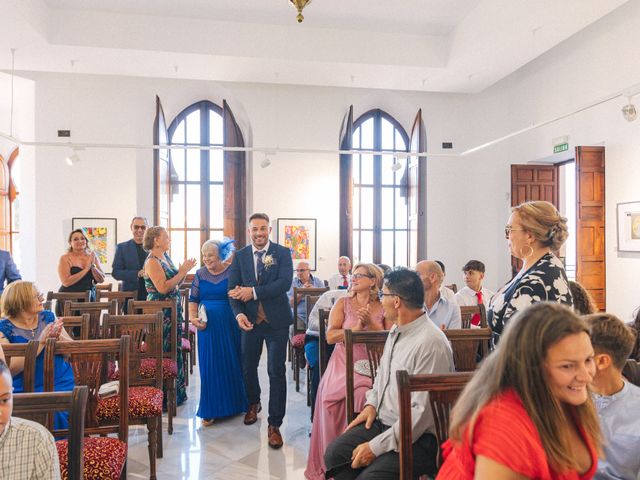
[9, 205]
[196, 179]
[380, 190]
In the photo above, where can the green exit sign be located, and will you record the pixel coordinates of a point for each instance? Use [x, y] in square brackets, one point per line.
[563, 147]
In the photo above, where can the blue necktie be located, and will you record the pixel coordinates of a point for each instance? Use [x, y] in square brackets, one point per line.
[259, 264]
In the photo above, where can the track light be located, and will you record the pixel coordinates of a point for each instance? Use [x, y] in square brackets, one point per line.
[266, 162]
[73, 158]
[629, 111]
[398, 164]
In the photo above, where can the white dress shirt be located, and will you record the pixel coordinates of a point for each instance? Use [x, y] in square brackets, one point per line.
[337, 281]
[326, 301]
[265, 249]
[447, 293]
[466, 297]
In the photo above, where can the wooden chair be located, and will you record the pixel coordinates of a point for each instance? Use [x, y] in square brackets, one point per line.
[28, 352]
[469, 345]
[47, 305]
[38, 407]
[104, 287]
[310, 301]
[170, 357]
[90, 360]
[374, 344]
[61, 297]
[323, 354]
[121, 298]
[95, 311]
[188, 339]
[631, 371]
[444, 390]
[145, 375]
[77, 326]
[467, 314]
[453, 287]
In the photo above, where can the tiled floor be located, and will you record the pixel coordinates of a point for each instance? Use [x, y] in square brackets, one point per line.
[229, 449]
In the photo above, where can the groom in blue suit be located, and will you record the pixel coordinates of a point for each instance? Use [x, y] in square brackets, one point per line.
[259, 278]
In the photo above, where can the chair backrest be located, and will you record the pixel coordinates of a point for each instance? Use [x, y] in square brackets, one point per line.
[299, 294]
[374, 344]
[188, 280]
[469, 345]
[90, 361]
[104, 287]
[145, 331]
[468, 312]
[28, 352]
[184, 298]
[47, 305]
[453, 287]
[39, 407]
[95, 311]
[154, 306]
[120, 297]
[631, 371]
[323, 354]
[77, 326]
[444, 390]
[61, 297]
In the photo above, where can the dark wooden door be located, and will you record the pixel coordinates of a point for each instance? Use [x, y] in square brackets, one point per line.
[590, 265]
[529, 183]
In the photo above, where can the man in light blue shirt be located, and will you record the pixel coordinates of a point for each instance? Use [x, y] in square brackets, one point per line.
[444, 312]
[617, 400]
[8, 270]
[303, 279]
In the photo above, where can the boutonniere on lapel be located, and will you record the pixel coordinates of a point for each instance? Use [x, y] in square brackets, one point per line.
[267, 261]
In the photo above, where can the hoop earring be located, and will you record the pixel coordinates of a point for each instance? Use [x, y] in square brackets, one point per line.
[524, 257]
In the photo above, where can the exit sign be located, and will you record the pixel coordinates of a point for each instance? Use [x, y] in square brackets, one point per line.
[563, 147]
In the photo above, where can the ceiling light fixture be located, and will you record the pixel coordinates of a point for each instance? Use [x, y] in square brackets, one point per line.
[299, 6]
[629, 111]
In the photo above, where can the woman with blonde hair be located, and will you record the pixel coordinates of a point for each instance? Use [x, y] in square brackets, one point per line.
[359, 310]
[535, 231]
[527, 413]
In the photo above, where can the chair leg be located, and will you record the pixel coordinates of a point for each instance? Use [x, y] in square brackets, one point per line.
[171, 399]
[308, 386]
[152, 424]
[193, 351]
[185, 371]
[296, 369]
[160, 449]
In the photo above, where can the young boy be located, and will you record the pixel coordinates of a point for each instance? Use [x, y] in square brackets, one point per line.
[473, 293]
[617, 400]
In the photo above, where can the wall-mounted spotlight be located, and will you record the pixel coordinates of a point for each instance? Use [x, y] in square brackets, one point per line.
[266, 161]
[629, 111]
[74, 158]
[397, 165]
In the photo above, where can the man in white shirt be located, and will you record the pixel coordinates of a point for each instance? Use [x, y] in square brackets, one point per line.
[473, 293]
[445, 291]
[369, 447]
[342, 279]
[444, 312]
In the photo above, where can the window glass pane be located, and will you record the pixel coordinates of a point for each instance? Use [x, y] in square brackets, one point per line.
[193, 165]
[216, 206]
[177, 205]
[386, 207]
[177, 165]
[401, 209]
[215, 235]
[387, 131]
[386, 255]
[193, 127]
[215, 128]
[193, 206]
[366, 171]
[177, 246]
[400, 143]
[401, 249]
[366, 207]
[366, 130]
[216, 166]
[356, 168]
[178, 133]
[356, 208]
[355, 138]
[366, 247]
[387, 169]
[193, 249]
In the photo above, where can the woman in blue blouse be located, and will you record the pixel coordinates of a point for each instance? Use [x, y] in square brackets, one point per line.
[222, 391]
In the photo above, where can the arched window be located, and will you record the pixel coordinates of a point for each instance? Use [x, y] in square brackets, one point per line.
[201, 188]
[380, 208]
[9, 205]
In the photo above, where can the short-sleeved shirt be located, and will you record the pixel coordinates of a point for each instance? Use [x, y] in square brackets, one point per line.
[505, 433]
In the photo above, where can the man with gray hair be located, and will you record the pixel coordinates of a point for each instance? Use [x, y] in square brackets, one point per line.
[342, 279]
[445, 313]
[128, 262]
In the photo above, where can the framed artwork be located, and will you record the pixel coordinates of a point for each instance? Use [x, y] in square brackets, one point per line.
[103, 236]
[299, 235]
[628, 227]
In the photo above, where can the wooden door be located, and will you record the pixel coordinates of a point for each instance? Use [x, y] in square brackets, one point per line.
[529, 183]
[590, 265]
[417, 173]
[161, 168]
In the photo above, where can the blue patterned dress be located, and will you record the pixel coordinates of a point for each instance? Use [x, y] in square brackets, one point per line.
[222, 391]
[170, 271]
[63, 380]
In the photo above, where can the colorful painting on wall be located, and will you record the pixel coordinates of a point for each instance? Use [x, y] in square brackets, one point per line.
[299, 235]
[628, 227]
[102, 235]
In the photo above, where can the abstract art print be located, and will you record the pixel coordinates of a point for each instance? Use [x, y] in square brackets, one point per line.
[102, 235]
[299, 236]
[628, 227]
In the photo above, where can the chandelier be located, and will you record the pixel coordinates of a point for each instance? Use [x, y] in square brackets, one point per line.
[299, 6]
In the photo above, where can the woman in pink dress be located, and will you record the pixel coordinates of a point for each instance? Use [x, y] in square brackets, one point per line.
[360, 310]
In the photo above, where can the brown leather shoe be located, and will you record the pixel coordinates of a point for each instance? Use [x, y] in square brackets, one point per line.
[252, 414]
[275, 439]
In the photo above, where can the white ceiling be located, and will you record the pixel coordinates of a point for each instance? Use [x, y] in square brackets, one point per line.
[460, 46]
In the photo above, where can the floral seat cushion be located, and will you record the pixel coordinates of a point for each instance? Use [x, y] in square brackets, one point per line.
[143, 402]
[104, 458]
[186, 345]
[148, 369]
[298, 341]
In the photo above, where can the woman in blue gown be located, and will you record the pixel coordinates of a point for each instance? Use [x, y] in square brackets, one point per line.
[222, 391]
[24, 319]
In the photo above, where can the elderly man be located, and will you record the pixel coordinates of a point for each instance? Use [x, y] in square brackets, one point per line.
[369, 447]
[8, 270]
[473, 293]
[128, 262]
[443, 312]
[303, 279]
[342, 279]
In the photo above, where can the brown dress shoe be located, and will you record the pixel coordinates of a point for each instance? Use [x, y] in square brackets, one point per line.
[252, 414]
[275, 439]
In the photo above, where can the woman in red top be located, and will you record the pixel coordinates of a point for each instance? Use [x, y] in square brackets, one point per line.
[527, 413]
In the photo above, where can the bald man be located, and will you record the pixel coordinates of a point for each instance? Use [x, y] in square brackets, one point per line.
[303, 279]
[444, 312]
